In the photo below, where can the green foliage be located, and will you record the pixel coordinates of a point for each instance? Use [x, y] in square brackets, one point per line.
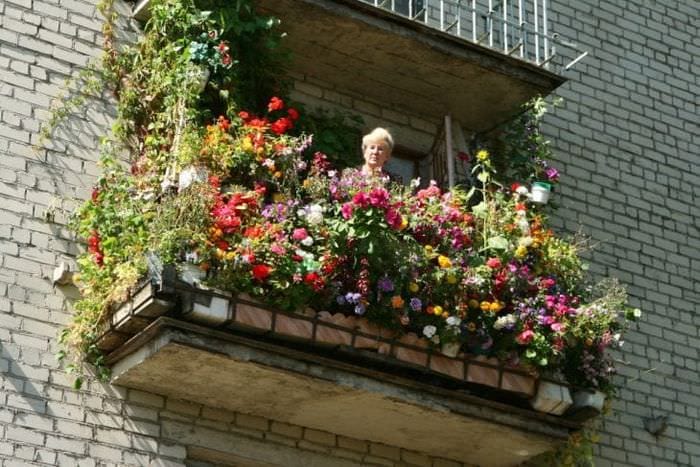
[336, 134]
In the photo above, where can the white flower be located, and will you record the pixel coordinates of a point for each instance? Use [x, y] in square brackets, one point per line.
[521, 190]
[415, 183]
[314, 214]
[637, 313]
[453, 321]
[268, 163]
[332, 173]
[525, 241]
[308, 241]
[504, 321]
[429, 331]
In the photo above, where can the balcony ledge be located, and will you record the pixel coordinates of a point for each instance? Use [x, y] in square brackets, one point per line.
[239, 373]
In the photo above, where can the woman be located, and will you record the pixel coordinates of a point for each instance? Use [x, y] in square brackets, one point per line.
[376, 151]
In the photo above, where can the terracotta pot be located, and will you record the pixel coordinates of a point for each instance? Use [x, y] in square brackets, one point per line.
[520, 382]
[451, 349]
[417, 352]
[553, 398]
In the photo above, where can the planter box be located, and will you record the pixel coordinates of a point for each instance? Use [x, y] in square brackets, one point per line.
[553, 398]
[213, 310]
[295, 327]
[515, 380]
[586, 405]
[333, 329]
[250, 316]
[452, 367]
[411, 349]
[483, 370]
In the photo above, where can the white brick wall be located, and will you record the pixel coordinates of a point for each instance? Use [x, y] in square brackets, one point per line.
[628, 140]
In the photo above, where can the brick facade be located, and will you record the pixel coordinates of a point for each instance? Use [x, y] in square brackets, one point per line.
[627, 139]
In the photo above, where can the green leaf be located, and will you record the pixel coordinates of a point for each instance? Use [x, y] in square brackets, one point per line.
[498, 243]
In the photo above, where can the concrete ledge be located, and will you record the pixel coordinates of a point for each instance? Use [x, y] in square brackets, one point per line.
[218, 369]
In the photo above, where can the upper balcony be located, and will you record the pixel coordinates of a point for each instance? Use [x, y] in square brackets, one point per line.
[478, 61]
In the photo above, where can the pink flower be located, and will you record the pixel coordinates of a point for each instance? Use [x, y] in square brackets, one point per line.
[379, 198]
[493, 263]
[558, 327]
[277, 249]
[525, 337]
[361, 199]
[393, 218]
[300, 234]
[346, 210]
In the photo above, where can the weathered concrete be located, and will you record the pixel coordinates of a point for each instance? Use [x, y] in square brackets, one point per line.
[194, 363]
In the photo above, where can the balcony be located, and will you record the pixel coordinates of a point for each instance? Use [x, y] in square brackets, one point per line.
[229, 352]
[475, 60]
[428, 58]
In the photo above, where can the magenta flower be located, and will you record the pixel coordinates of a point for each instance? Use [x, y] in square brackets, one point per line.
[300, 234]
[525, 337]
[552, 173]
[346, 210]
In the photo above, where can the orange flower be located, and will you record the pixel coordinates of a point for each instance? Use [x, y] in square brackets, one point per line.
[397, 301]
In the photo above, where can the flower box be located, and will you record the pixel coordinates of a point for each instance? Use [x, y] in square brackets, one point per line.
[483, 370]
[333, 329]
[587, 403]
[411, 349]
[207, 309]
[296, 327]
[552, 397]
[250, 316]
[452, 367]
[517, 380]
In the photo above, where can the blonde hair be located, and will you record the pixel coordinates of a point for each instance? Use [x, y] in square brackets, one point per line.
[378, 134]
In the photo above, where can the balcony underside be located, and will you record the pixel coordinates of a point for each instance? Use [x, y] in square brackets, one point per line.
[406, 65]
[239, 373]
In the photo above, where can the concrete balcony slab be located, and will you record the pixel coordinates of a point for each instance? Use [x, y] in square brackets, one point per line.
[250, 375]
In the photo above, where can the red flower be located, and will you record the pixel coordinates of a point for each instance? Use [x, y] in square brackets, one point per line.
[95, 194]
[245, 116]
[261, 272]
[223, 123]
[463, 156]
[275, 104]
[514, 186]
[293, 113]
[525, 337]
[493, 263]
[281, 125]
[222, 244]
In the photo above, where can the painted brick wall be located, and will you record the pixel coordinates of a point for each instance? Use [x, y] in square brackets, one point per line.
[628, 139]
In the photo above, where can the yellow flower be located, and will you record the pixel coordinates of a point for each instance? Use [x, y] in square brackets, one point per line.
[520, 252]
[428, 249]
[397, 301]
[404, 223]
[413, 287]
[279, 198]
[444, 261]
[277, 174]
[437, 310]
[247, 145]
[230, 255]
[220, 254]
[485, 306]
[496, 306]
[451, 279]
[482, 156]
[306, 183]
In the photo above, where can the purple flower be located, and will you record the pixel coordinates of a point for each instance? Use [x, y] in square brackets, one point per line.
[416, 304]
[340, 300]
[552, 173]
[352, 297]
[360, 309]
[385, 284]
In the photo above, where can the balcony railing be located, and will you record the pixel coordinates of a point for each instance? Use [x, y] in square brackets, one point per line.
[518, 28]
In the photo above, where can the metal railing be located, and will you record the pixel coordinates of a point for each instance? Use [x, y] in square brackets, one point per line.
[517, 28]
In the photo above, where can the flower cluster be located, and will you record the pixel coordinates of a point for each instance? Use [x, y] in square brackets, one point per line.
[210, 51]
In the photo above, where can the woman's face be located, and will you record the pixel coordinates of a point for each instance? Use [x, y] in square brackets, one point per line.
[376, 154]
